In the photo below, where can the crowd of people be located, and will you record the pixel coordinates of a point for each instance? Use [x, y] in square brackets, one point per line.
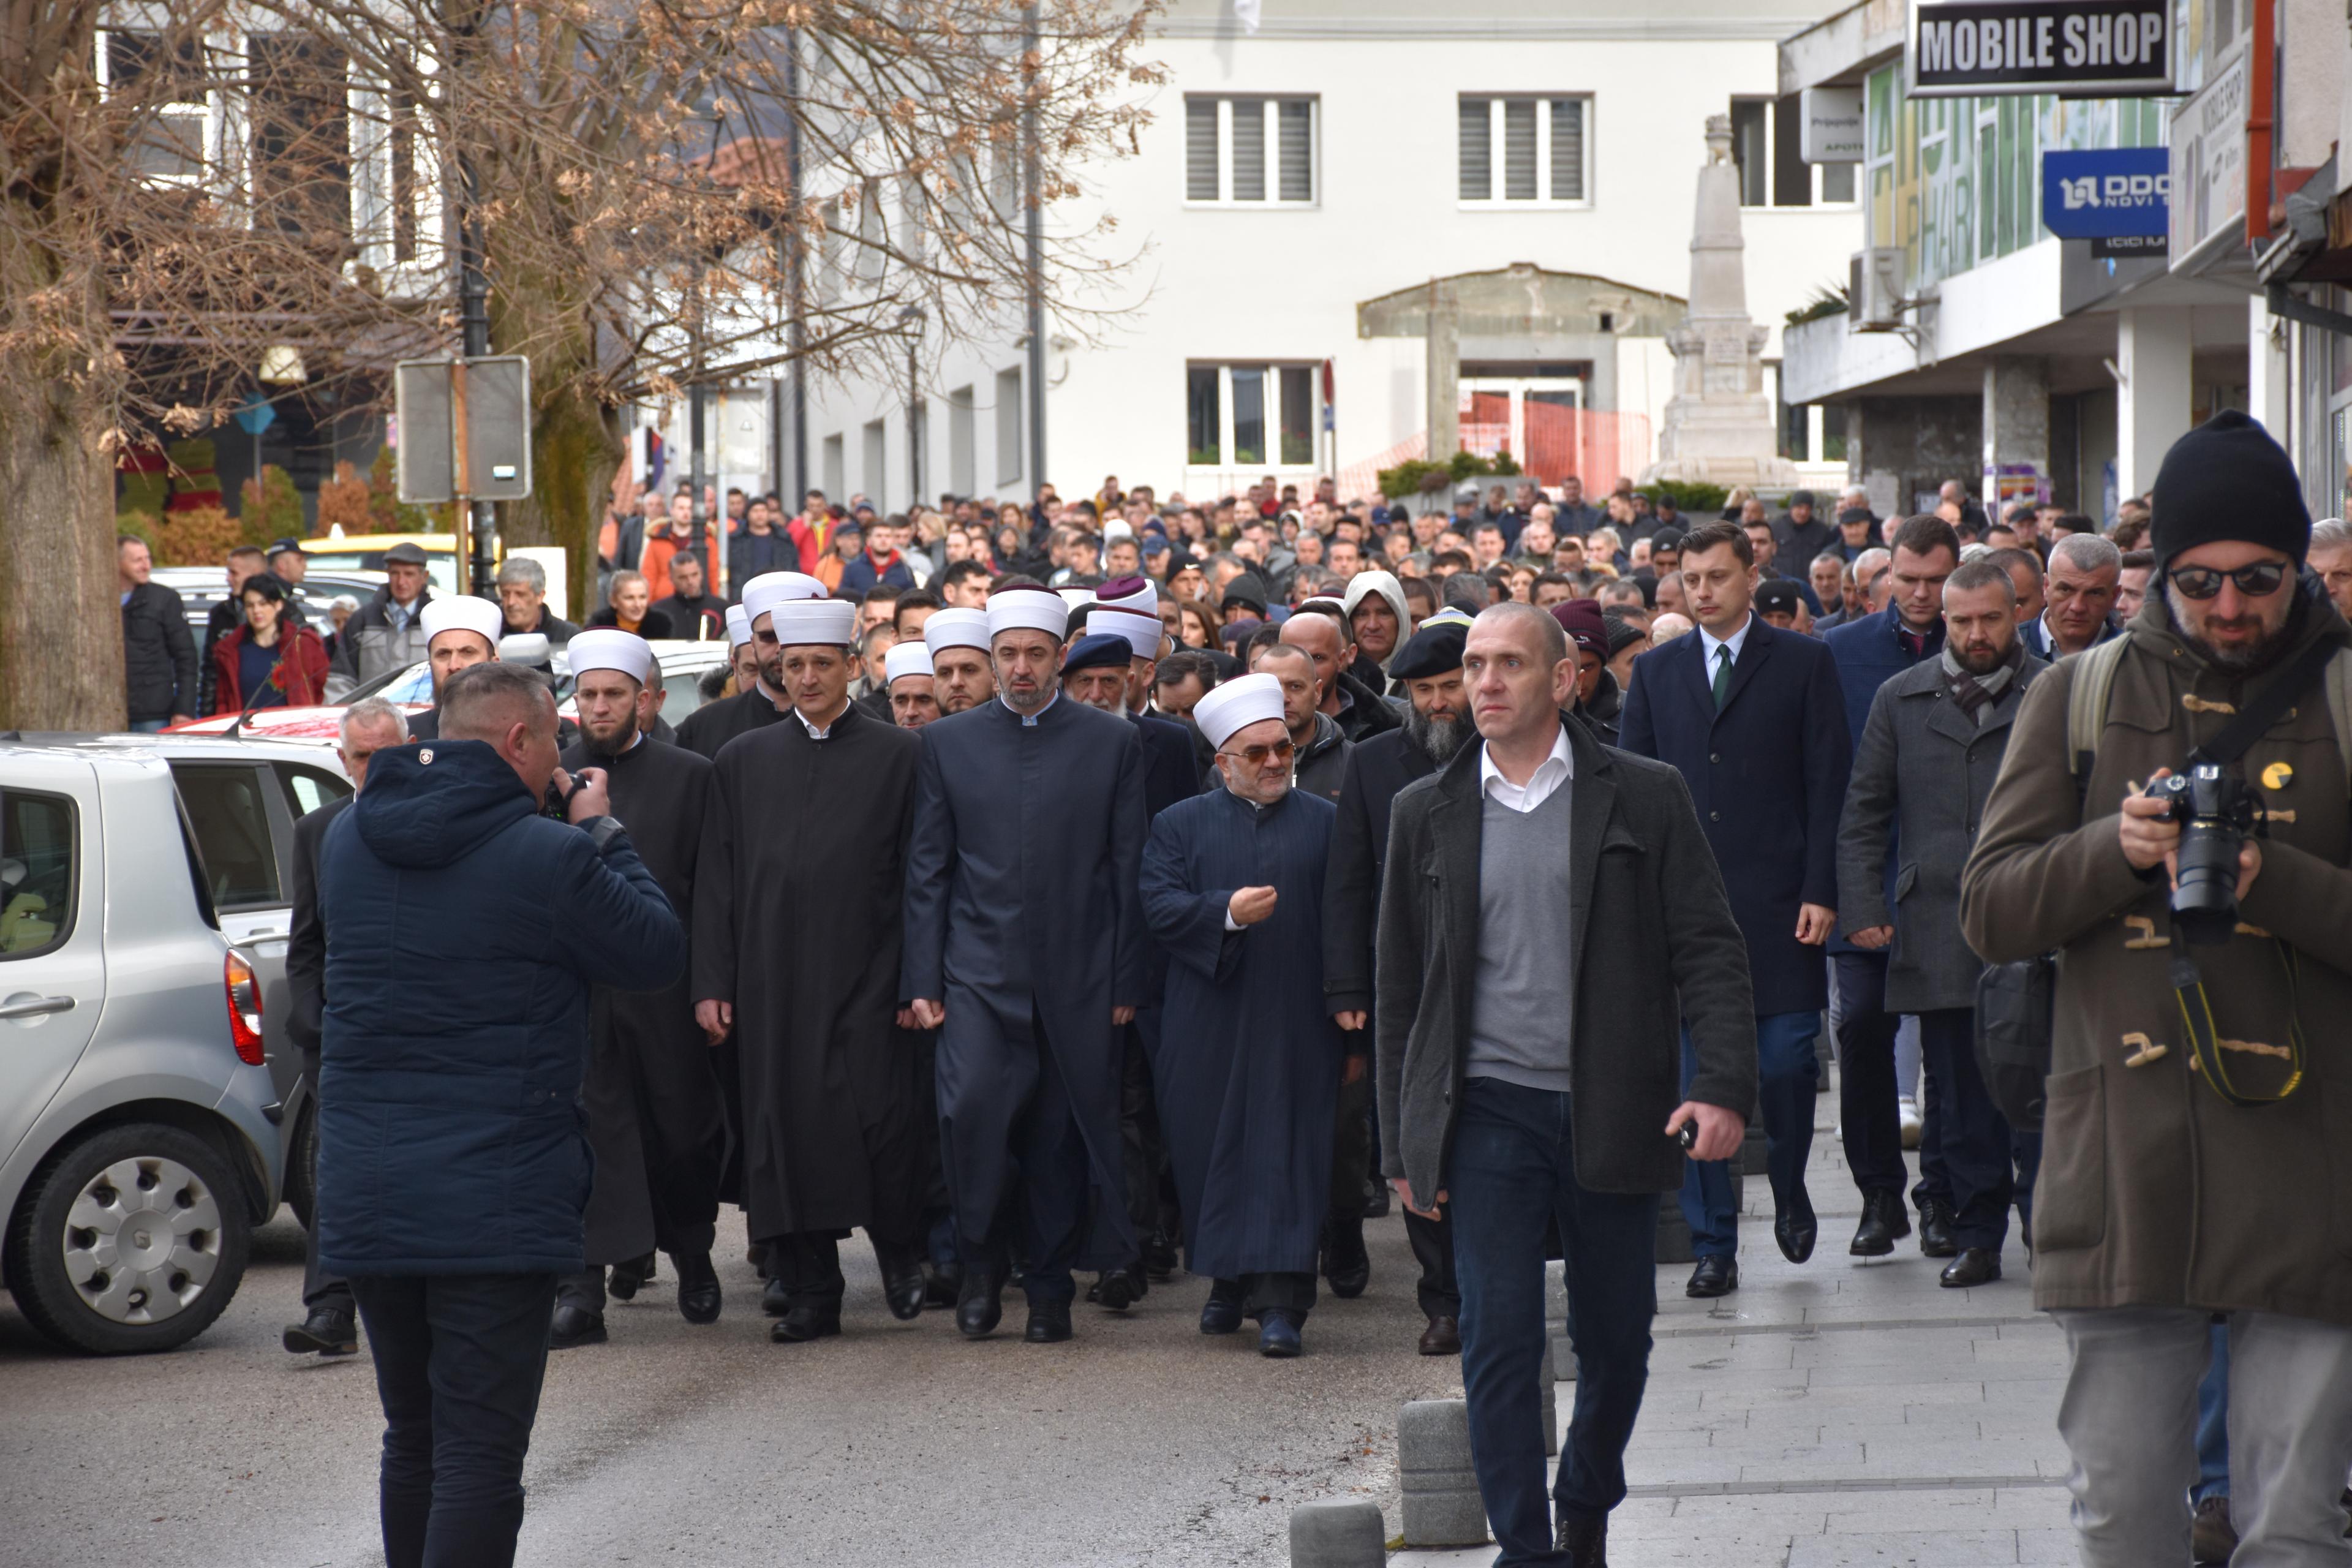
[1068, 893]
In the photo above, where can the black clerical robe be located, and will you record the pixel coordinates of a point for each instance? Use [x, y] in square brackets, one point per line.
[711, 726]
[652, 1095]
[1022, 910]
[1170, 771]
[1248, 1073]
[797, 926]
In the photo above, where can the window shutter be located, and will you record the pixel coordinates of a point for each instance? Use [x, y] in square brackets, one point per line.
[1249, 148]
[1200, 149]
[1476, 157]
[1568, 149]
[1297, 123]
[1519, 150]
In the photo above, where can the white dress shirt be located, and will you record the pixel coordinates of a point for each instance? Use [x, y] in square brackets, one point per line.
[1709, 642]
[815, 733]
[1550, 773]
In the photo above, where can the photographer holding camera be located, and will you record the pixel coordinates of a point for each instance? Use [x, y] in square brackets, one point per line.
[2171, 821]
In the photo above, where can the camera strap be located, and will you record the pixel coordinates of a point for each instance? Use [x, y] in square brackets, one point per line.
[2206, 1044]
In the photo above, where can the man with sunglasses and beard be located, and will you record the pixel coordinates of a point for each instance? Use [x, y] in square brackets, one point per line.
[1430, 669]
[2186, 1169]
[651, 1099]
[1232, 888]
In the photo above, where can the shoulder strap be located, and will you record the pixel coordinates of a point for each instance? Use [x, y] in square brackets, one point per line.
[2293, 682]
[2093, 676]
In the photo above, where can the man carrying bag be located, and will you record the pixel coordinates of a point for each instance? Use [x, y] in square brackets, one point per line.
[2194, 1161]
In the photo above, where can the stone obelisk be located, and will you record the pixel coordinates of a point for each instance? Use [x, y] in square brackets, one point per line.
[1719, 425]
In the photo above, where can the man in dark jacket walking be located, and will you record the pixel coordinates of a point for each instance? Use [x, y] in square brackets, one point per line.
[158, 653]
[453, 1161]
[1550, 906]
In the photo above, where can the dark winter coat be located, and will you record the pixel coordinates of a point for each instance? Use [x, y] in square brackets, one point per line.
[464, 930]
[159, 656]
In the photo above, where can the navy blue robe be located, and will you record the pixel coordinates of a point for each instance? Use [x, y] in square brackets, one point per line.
[1248, 1070]
[1021, 905]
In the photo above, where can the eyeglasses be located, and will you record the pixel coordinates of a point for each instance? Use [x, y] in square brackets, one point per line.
[2258, 581]
[1255, 756]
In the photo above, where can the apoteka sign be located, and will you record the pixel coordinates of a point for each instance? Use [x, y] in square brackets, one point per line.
[2103, 49]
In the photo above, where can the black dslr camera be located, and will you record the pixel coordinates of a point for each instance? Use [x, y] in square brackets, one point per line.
[2216, 811]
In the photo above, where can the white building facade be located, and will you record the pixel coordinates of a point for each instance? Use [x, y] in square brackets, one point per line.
[1302, 196]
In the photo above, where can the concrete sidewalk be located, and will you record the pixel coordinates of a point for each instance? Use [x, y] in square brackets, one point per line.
[1841, 1412]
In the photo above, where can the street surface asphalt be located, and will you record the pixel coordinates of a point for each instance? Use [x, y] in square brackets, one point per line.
[1138, 1442]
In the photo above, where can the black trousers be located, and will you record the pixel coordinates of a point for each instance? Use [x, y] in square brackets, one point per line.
[321, 1292]
[1867, 1112]
[1143, 1148]
[460, 1359]
[807, 1263]
[1262, 1293]
[1979, 1153]
[1433, 1249]
[1351, 1151]
[1050, 1205]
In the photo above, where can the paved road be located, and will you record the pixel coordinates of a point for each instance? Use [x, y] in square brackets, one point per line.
[1138, 1443]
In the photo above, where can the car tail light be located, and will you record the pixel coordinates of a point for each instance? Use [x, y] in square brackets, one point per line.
[244, 989]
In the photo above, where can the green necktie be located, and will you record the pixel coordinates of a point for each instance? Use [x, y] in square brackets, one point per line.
[1722, 674]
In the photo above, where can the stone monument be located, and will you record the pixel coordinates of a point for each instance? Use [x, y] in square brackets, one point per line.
[1720, 427]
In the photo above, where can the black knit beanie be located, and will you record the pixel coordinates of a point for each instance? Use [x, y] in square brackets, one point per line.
[2228, 480]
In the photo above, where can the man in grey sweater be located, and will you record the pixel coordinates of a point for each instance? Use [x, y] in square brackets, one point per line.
[1548, 908]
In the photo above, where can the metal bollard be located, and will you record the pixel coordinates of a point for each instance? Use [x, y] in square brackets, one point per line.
[1338, 1532]
[1442, 1506]
[1550, 1385]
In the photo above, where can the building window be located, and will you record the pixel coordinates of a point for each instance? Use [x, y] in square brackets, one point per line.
[837, 483]
[876, 456]
[1008, 425]
[298, 86]
[1250, 151]
[1766, 149]
[1251, 415]
[168, 141]
[964, 473]
[1524, 151]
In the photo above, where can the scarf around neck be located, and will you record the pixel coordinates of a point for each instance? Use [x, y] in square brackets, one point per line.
[1976, 694]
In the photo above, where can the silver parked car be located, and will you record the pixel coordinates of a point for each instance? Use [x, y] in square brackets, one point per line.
[151, 1109]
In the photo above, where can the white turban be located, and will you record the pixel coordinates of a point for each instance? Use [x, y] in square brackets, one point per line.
[464, 613]
[1025, 609]
[802, 622]
[909, 658]
[1145, 598]
[1074, 597]
[1141, 631]
[765, 592]
[609, 647]
[739, 625]
[957, 628]
[1237, 704]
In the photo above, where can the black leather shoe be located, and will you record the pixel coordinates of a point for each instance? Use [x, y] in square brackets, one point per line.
[1882, 1222]
[1975, 1266]
[1443, 1337]
[323, 1332]
[1120, 1289]
[903, 1289]
[698, 1287]
[1345, 1262]
[1049, 1323]
[981, 1307]
[773, 1300]
[627, 1277]
[804, 1322]
[942, 1282]
[1221, 1315]
[1584, 1537]
[1796, 1229]
[1376, 1205]
[573, 1326]
[1936, 1229]
[1714, 1276]
[1160, 1257]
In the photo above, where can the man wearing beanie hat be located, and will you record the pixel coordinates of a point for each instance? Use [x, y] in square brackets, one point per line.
[796, 946]
[2170, 1191]
[1232, 884]
[1025, 948]
[1801, 533]
[1598, 698]
[1429, 668]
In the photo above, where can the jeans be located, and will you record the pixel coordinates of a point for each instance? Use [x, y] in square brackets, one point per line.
[459, 1363]
[1787, 1072]
[2129, 1416]
[1511, 1173]
[2213, 1421]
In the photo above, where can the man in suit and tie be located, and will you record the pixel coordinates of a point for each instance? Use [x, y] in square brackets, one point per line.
[1752, 718]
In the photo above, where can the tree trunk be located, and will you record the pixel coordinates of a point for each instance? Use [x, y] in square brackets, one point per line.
[60, 618]
[576, 442]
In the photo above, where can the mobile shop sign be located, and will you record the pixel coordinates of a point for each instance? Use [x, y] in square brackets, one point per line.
[2108, 193]
[2095, 49]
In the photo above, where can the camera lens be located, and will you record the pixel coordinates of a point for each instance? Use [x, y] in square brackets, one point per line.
[2205, 892]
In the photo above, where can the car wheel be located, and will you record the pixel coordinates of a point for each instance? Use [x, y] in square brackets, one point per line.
[132, 1238]
[302, 1166]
